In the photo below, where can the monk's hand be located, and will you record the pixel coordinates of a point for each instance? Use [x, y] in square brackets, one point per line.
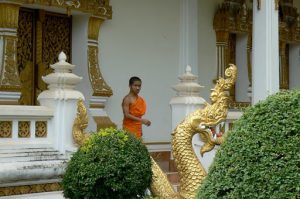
[146, 122]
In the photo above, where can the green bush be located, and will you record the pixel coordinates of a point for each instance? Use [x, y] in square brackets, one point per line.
[112, 164]
[261, 156]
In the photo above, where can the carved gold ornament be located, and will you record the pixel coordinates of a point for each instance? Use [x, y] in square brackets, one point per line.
[190, 170]
[5, 129]
[24, 129]
[41, 129]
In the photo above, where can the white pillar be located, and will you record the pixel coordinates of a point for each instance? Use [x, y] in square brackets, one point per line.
[265, 73]
[188, 52]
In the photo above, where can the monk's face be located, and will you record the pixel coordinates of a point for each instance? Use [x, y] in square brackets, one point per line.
[135, 87]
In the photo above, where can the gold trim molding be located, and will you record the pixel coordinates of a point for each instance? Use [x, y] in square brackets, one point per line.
[100, 8]
[29, 189]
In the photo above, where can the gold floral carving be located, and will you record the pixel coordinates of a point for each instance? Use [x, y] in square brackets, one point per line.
[9, 79]
[29, 189]
[190, 170]
[100, 87]
[24, 129]
[25, 56]
[10, 76]
[5, 129]
[40, 129]
[100, 8]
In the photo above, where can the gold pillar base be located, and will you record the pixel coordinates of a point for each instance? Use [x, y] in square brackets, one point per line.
[104, 122]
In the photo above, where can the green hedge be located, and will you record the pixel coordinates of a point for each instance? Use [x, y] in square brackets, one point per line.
[261, 157]
[111, 164]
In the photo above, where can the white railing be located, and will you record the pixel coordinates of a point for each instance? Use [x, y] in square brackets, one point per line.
[26, 126]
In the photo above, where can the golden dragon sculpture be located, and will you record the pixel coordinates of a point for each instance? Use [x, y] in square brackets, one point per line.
[190, 170]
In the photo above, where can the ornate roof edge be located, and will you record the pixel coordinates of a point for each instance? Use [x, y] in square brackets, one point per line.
[98, 8]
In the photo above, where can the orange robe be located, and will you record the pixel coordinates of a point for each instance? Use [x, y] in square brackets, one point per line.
[137, 109]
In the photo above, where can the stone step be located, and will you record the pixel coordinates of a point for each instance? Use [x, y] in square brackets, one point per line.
[173, 177]
[17, 150]
[22, 173]
[163, 159]
[27, 155]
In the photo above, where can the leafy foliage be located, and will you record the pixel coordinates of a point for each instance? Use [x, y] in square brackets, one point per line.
[261, 157]
[111, 164]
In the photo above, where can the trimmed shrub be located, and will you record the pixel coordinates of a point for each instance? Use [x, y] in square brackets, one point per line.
[261, 156]
[111, 164]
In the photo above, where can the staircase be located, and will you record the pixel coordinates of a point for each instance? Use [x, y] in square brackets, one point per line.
[163, 159]
[30, 166]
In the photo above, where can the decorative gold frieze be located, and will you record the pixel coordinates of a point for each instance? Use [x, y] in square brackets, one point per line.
[100, 8]
[29, 189]
[24, 129]
[41, 129]
[5, 129]
[100, 87]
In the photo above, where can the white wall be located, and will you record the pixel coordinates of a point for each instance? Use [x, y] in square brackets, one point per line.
[242, 82]
[142, 39]
[294, 70]
[207, 59]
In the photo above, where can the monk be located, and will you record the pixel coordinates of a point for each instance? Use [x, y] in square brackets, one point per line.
[134, 107]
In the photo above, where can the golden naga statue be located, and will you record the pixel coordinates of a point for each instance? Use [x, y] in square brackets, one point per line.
[190, 170]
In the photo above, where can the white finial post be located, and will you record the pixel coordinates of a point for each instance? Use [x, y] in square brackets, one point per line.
[62, 98]
[188, 69]
[62, 57]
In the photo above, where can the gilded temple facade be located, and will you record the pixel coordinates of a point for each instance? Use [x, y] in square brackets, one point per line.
[109, 41]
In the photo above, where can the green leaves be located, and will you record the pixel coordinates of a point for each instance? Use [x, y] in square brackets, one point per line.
[111, 164]
[261, 156]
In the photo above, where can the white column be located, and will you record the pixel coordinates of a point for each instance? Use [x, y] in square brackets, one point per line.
[265, 74]
[188, 53]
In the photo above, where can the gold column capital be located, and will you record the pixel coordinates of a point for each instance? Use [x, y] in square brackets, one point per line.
[9, 14]
[94, 27]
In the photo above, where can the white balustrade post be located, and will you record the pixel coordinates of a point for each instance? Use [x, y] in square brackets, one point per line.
[62, 98]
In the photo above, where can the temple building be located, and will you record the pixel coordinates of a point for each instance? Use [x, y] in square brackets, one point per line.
[56, 52]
